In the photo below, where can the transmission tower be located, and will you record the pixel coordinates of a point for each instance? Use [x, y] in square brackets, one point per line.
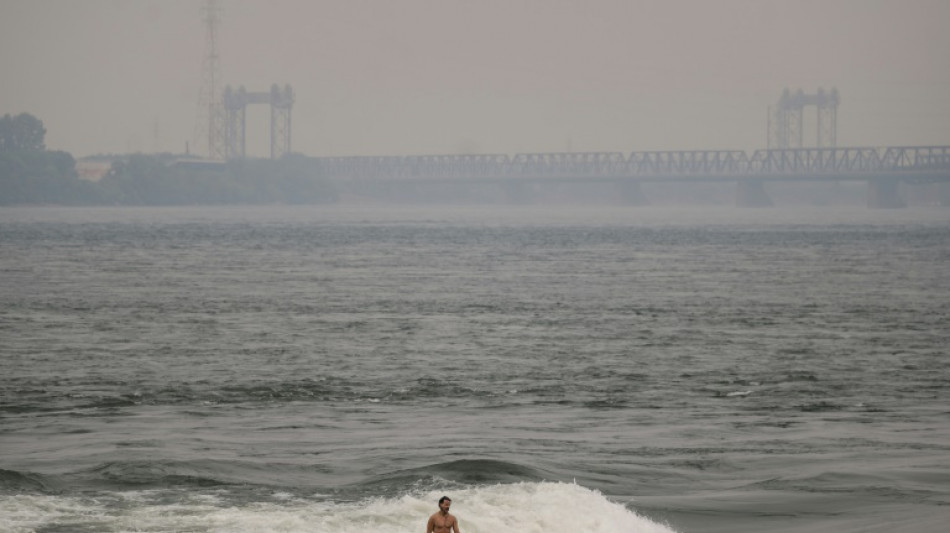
[210, 124]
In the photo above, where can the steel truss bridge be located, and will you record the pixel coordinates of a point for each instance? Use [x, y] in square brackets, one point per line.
[905, 162]
[882, 168]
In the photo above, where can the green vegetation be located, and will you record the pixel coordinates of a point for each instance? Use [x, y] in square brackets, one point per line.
[29, 174]
[33, 177]
[23, 132]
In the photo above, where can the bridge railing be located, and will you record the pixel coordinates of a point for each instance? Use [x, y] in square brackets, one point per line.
[455, 166]
[576, 164]
[917, 157]
[362, 166]
[815, 160]
[687, 162]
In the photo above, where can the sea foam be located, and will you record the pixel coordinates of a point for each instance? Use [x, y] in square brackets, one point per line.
[520, 507]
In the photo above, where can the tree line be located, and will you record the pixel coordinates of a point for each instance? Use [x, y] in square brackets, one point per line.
[30, 174]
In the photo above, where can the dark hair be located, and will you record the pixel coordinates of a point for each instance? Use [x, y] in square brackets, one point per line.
[443, 498]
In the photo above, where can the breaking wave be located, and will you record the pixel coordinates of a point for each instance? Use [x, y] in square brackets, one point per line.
[510, 508]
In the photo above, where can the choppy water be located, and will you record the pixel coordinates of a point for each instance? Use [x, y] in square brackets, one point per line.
[580, 369]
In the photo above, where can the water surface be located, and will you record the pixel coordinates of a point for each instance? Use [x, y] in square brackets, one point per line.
[552, 369]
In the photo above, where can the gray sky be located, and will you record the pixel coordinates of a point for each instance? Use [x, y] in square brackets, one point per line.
[479, 76]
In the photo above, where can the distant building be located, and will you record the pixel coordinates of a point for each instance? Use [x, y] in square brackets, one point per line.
[93, 169]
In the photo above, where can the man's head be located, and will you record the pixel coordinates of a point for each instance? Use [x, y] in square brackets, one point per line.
[444, 503]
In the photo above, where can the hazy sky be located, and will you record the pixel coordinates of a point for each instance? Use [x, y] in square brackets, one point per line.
[479, 76]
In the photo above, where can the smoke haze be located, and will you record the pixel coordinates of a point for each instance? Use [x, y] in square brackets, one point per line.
[447, 76]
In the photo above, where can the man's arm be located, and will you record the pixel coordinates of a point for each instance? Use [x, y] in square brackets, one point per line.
[430, 525]
[455, 524]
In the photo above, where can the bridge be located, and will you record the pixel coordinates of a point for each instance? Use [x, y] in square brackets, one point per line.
[883, 169]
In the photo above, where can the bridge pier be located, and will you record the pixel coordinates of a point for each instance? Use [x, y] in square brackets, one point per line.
[385, 191]
[631, 193]
[941, 193]
[883, 193]
[751, 193]
[518, 192]
[382, 190]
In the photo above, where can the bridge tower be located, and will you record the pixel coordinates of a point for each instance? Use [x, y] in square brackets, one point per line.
[281, 102]
[235, 102]
[786, 121]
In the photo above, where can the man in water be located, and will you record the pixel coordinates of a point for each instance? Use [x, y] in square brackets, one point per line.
[442, 521]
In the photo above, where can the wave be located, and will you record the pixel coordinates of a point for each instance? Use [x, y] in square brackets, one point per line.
[153, 475]
[13, 481]
[196, 474]
[452, 475]
[270, 476]
[118, 394]
[475, 471]
[506, 508]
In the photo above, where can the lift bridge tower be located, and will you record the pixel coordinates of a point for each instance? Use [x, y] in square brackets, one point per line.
[786, 122]
[235, 102]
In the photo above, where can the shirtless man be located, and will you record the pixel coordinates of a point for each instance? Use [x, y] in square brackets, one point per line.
[442, 521]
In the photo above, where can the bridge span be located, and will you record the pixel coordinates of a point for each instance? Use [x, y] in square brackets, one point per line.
[883, 169]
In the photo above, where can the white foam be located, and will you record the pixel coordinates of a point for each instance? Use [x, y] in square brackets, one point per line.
[545, 507]
[739, 393]
[521, 508]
